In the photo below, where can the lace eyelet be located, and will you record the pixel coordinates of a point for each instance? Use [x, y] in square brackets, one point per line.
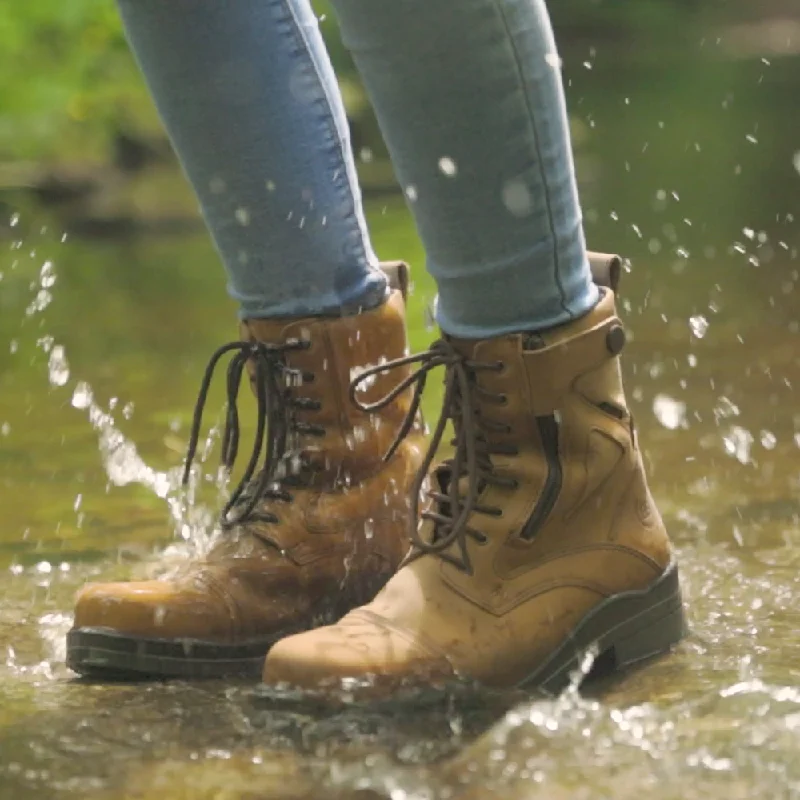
[502, 399]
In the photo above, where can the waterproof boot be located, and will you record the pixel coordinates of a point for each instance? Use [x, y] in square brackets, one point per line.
[539, 542]
[314, 533]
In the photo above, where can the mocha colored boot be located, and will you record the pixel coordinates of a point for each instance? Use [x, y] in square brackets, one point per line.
[540, 538]
[314, 534]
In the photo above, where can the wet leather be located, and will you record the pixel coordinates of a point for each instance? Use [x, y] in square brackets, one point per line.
[602, 537]
[334, 546]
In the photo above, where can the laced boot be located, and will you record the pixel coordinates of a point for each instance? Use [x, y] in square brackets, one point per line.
[314, 533]
[540, 540]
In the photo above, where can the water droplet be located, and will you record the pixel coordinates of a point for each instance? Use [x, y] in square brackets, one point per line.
[448, 167]
[554, 60]
[5, 429]
[47, 276]
[698, 325]
[40, 302]
[369, 529]
[58, 366]
[737, 443]
[14, 221]
[13, 346]
[243, 217]
[366, 155]
[671, 413]
[768, 440]
[127, 410]
[517, 197]
[82, 396]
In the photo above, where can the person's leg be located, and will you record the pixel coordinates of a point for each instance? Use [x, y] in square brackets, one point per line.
[318, 521]
[249, 99]
[540, 538]
[471, 104]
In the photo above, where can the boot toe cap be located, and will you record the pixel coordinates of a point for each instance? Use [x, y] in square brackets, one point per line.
[152, 609]
[359, 648]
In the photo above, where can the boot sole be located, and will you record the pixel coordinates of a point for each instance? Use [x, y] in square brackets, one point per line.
[103, 653]
[626, 629]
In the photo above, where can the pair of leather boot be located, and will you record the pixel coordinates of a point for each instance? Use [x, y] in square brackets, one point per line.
[534, 541]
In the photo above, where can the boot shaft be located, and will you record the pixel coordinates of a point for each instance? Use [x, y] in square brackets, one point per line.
[561, 435]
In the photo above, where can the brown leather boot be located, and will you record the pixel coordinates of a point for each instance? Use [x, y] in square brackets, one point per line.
[316, 532]
[540, 539]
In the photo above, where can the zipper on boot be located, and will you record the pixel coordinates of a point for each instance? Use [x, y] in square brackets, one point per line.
[548, 431]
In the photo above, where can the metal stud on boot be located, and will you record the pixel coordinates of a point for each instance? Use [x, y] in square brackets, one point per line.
[313, 533]
[539, 538]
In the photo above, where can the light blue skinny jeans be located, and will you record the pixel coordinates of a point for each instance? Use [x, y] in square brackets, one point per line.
[469, 98]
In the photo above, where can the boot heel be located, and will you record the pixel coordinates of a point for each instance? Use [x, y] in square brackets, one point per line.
[628, 628]
[657, 632]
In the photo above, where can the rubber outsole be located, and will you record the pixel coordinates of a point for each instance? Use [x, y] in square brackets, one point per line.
[103, 653]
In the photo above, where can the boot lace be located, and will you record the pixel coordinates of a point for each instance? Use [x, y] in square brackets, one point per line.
[463, 404]
[277, 429]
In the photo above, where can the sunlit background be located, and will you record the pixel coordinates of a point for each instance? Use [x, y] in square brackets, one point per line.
[685, 126]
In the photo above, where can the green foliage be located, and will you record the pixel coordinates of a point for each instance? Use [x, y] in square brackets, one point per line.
[66, 78]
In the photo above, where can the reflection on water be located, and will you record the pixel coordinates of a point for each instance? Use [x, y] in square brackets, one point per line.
[692, 171]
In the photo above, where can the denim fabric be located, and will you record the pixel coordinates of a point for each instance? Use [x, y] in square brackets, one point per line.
[470, 101]
[248, 97]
